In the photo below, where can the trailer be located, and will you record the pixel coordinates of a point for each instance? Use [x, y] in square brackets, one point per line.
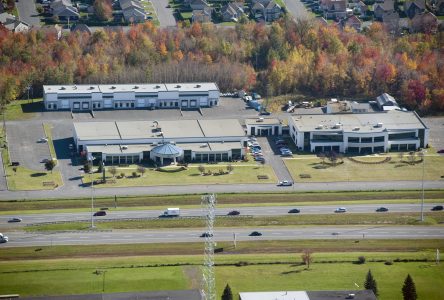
[171, 212]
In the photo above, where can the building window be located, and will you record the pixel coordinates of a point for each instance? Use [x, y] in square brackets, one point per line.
[378, 139]
[76, 105]
[367, 140]
[116, 105]
[353, 140]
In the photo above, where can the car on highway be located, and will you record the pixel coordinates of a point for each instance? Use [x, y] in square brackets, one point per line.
[14, 220]
[437, 208]
[382, 209]
[206, 234]
[294, 211]
[3, 238]
[255, 233]
[100, 213]
[285, 183]
[340, 210]
[234, 213]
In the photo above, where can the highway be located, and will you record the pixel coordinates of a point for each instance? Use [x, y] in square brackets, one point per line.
[252, 211]
[22, 239]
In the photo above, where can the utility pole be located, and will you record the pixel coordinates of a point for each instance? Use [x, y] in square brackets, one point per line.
[209, 282]
[422, 185]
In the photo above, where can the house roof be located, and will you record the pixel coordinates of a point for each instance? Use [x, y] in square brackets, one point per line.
[390, 17]
[386, 99]
[272, 5]
[387, 5]
[134, 11]
[352, 20]
[419, 4]
[81, 28]
[337, 5]
[125, 4]
[6, 18]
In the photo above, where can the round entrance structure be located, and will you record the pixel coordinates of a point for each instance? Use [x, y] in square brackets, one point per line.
[166, 151]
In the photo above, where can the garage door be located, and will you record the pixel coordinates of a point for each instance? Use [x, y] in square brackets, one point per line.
[203, 101]
[65, 104]
[107, 103]
[140, 102]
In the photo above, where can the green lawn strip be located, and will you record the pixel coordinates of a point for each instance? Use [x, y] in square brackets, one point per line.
[258, 272]
[21, 178]
[48, 132]
[227, 199]
[172, 176]
[352, 171]
[22, 109]
[432, 218]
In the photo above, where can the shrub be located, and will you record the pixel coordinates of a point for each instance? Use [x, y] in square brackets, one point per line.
[361, 260]
[122, 175]
[388, 263]
[134, 174]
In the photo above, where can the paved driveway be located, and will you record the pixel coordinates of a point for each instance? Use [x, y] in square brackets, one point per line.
[275, 160]
[27, 12]
[23, 145]
[164, 14]
[296, 9]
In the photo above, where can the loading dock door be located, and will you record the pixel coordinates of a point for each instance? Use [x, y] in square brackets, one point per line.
[65, 104]
[140, 103]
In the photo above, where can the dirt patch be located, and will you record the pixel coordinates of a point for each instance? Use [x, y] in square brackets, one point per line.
[194, 275]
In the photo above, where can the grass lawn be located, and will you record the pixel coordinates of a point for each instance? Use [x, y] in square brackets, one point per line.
[22, 109]
[432, 218]
[352, 171]
[149, 8]
[263, 272]
[242, 173]
[227, 200]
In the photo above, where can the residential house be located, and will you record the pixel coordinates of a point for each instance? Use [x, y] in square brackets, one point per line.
[232, 11]
[390, 21]
[438, 7]
[425, 22]
[201, 15]
[412, 8]
[199, 4]
[64, 10]
[380, 8]
[360, 8]
[81, 28]
[334, 9]
[11, 23]
[352, 22]
[268, 10]
[133, 11]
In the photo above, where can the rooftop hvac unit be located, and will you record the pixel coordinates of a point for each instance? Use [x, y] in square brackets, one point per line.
[113, 87]
[154, 144]
[319, 126]
[356, 128]
[379, 125]
[157, 86]
[203, 145]
[260, 120]
[135, 87]
[160, 133]
[198, 86]
[337, 125]
[124, 147]
[62, 88]
[178, 86]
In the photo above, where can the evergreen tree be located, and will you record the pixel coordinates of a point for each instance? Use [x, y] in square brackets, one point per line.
[409, 289]
[227, 295]
[370, 283]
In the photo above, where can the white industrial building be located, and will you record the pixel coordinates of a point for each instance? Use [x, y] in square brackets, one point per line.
[164, 142]
[130, 96]
[263, 126]
[393, 130]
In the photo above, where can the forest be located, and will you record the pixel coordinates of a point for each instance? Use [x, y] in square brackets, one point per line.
[283, 58]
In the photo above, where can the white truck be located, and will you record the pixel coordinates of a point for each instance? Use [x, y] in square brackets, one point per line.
[171, 212]
[3, 238]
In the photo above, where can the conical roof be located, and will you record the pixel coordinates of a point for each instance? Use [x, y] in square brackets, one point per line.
[167, 150]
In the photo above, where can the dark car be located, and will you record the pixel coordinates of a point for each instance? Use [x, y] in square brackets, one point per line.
[100, 213]
[441, 151]
[382, 209]
[294, 211]
[255, 233]
[206, 234]
[437, 208]
[14, 220]
[234, 213]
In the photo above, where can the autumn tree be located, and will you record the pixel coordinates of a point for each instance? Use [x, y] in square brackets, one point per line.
[103, 10]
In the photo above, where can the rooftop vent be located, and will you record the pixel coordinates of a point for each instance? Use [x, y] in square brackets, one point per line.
[198, 86]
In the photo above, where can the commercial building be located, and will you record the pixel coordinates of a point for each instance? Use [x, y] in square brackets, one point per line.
[359, 133]
[263, 126]
[309, 295]
[130, 96]
[164, 142]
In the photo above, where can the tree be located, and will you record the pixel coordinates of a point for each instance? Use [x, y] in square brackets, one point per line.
[370, 283]
[141, 170]
[227, 294]
[87, 167]
[230, 168]
[103, 10]
[113, 170]
[201, 169]
[401, 156]
[411, 157]
[49, 165]
[322, 157]
[409, 289]
[307, 257]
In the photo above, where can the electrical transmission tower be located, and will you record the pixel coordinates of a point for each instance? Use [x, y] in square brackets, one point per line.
[209, 282]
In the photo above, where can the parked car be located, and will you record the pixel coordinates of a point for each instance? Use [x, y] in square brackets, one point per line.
[285, 183]
[42, 140]
[206, 234]
[294, 211]
[437, 208]
[340, 210]
[259, 158]
[287, 154]
[14, 220]
[441, 151]
[234, 213]
[255, 233]
[382, 209]
[280, 141]
[100, 213]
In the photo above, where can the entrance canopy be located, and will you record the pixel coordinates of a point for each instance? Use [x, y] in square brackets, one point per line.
[168, 151]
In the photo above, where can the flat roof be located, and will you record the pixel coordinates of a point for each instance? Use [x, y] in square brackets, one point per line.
[366, 122]
[221, 128]
[225, 146]
[129, 130]
[117, 149]
[132, 87]
[96, 130]
[263, 121]
[192, 87]
[309, 295]
[284, 295]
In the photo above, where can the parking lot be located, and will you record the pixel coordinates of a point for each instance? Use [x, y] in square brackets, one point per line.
[436, 125]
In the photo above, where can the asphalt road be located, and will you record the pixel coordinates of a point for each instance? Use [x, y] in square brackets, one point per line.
[22, 239]
[27, 12]
[164, 14]
[253, 211]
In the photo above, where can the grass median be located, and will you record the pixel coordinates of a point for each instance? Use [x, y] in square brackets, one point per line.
[432, 218]
[229, 199]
